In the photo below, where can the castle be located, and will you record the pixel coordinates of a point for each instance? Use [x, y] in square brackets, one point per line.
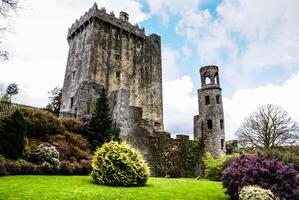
[110, 52]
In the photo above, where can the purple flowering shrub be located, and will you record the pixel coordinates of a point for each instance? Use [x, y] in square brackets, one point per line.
[281, 179]
[86, 119]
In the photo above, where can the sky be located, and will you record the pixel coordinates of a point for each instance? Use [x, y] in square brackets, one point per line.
[255, 44]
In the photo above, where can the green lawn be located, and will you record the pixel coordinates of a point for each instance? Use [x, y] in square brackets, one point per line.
[81, 187]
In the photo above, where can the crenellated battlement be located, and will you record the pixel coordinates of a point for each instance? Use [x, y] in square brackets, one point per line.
[100, 14]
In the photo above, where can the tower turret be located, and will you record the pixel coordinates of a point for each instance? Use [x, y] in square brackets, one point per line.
[209, 123]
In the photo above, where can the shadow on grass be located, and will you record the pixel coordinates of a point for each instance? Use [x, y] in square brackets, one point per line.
[90, 181]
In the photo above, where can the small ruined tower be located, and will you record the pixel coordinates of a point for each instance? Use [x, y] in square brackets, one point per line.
[209, 123]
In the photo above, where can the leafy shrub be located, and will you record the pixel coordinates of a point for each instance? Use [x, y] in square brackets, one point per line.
[281, 179]
[86, 166]
[64, 149]
[254, 192]
[71, 146]
[67, 168]
[3, 171]
[24, 168]
[72, 125]
[77, 140]
[27, 149]
[29, 169]
[21, 161]
[284, 155]
[41, 123]
[12, 167]
[75, 168]
[48, 156]
[12, 132]
[2, 159]
[119, 164]
[48, 169]
[215, 166]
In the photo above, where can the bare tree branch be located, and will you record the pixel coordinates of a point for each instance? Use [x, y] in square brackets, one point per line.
[3, 55]
[7, 5]
[268, 127]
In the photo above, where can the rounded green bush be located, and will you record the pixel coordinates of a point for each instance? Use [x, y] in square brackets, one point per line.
[119, 165]
[253, 192]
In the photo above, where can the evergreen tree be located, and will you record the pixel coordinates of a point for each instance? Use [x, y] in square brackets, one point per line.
[12, 132]
[101, 128]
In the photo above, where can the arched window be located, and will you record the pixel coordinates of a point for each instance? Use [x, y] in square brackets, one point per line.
[207, 80]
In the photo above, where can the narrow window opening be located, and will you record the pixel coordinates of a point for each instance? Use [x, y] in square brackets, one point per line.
[117, 74]
[72, 102]
[210, 124]
[222, 143]
[221, 123]
[216, 78]
[218, 99]
[73, 75]
[207, 100]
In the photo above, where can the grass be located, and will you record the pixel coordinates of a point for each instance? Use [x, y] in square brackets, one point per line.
[81, 187]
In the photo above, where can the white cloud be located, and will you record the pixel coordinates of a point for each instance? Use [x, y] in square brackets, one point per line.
[179, 105]
[246, 37]
[38, 49]
[246, 101]
[165, 8]
[170, 69]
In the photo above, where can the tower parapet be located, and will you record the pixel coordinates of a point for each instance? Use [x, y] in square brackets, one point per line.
[209, 123]
[101, 15]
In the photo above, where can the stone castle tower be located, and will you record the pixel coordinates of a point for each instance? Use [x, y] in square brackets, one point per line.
[106, 51]
[209, 124]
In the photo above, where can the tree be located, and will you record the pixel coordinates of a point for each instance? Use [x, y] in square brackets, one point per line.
[267, 127]
[11, 90]
[55, 99]
[5, 7]
[101, 127]
[12, 132]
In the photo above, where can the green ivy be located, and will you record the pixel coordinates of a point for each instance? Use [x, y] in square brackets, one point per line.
[192, 157]
[214, 166]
